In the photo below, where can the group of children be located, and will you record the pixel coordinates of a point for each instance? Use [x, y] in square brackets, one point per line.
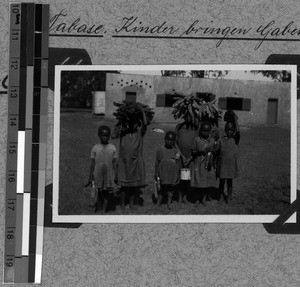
[198, 150]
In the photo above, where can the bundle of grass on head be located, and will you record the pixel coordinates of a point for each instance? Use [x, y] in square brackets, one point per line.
[193, 110]
[130, 115]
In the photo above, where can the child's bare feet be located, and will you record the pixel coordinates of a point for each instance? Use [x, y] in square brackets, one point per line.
[131, 202]
[185, 201]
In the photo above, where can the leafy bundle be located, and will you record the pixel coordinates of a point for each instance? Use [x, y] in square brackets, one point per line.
[131, 112]
[193, 110]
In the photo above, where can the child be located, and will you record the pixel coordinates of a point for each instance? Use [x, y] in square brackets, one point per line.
[167, 168]
[228, 160]
[131, 168]
[103, 168]
[186, 134]
[202, 170]
[231, 117]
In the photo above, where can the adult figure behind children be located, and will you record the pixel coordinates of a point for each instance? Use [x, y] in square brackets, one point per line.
[186, 133]
[131, 173]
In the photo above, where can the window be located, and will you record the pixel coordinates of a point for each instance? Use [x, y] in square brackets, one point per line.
[169, 101]
[130, 96]
[165, 100]
[207, 97]
[272, 112]
[237, 104]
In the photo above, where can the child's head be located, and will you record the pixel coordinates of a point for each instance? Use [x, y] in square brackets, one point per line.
[104, 134]
[230, 116]
[205, 129]
[170, 138]
[229, 129]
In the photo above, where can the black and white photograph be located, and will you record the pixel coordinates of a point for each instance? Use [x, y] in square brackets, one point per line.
[184, 143]
[150, 143]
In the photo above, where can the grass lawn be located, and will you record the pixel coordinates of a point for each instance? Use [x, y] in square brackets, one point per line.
[263, 186]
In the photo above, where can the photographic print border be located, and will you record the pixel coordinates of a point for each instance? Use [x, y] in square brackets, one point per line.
[170, 218]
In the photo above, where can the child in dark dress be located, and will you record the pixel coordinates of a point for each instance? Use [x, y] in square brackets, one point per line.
[131, 172]
[228, 162]
[103, 169]
[167, 168]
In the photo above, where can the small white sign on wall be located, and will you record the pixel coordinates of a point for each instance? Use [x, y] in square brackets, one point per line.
[98, 102]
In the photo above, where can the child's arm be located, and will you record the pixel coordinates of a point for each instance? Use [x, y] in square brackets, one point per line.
[144, 122]
[92, 167]
[156, 171]
[115, 166]
[177, 168]
[144, 118]
[115, 163]
[188, 161]
[176, 130]
[116, 132]
[158, 158]
[216, 146]
[182, 157]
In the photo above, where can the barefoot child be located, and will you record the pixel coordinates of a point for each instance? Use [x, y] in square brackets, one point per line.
[131, 168]
[228, 159]
[103, 168]
[202, 170]
[167, 168]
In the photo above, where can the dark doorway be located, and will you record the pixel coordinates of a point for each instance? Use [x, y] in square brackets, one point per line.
[130, 96]
[272, 111]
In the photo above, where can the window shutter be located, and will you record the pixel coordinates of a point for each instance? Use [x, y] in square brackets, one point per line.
[160, 100]
[222, 103]
[130, 96]
[246, 104]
